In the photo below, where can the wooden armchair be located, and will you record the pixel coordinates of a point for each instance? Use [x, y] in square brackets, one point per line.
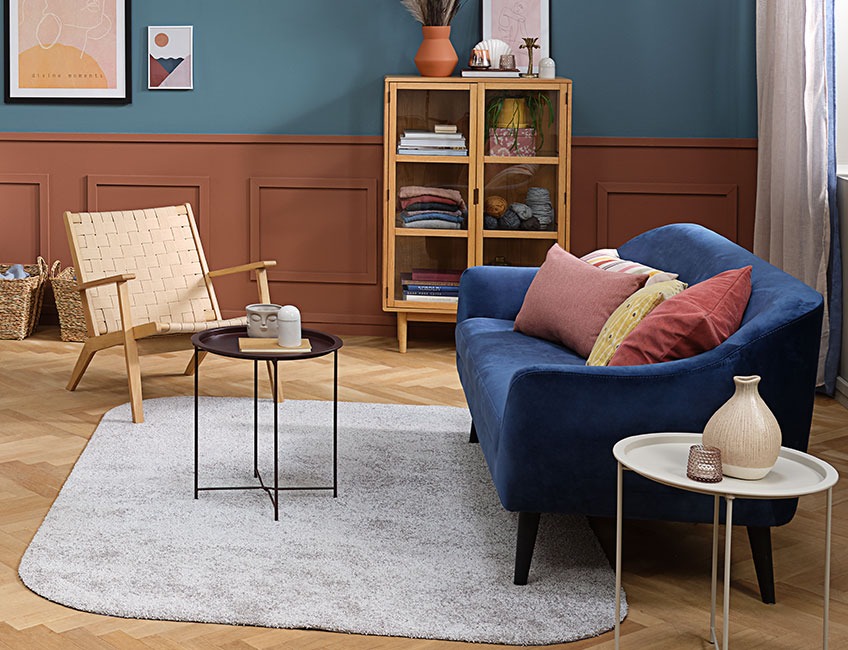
[145, 285]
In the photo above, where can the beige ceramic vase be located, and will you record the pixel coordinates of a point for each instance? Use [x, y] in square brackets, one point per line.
[746, 432]
[436, 56]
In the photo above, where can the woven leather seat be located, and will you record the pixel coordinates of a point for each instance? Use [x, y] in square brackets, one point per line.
[143, 276]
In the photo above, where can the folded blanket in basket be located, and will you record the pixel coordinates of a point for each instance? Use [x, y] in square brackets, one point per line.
[15, 272]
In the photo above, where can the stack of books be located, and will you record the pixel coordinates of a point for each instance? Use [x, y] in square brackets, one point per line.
[430, 285]
[491, 72]
[442, 141]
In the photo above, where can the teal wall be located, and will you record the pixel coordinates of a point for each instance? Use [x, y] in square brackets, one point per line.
[648, 68]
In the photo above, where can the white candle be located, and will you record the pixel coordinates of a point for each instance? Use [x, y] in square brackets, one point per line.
[288, 322]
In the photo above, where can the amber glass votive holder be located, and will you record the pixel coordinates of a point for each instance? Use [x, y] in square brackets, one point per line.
[704, 464]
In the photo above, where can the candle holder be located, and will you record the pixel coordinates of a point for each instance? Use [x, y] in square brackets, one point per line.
[704, 464]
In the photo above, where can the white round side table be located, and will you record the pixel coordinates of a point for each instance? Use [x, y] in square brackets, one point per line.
[662, 457]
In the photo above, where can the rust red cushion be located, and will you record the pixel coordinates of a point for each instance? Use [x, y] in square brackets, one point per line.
[689, 323]
[569, 301]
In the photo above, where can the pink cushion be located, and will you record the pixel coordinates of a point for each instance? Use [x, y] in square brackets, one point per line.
[689, 323]
[569, 301]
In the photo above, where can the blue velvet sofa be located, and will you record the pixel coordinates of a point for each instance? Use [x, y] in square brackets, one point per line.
[546, 422]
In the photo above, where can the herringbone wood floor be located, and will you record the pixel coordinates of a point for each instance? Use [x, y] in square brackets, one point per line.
[43, 429]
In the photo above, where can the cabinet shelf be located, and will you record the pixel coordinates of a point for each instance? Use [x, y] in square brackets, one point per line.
[518, 160]
[520, 234]
[450, 184]
[406, 158]
[431, 232]
[442, 308]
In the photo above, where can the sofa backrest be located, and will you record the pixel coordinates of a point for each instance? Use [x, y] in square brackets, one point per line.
[697, 253]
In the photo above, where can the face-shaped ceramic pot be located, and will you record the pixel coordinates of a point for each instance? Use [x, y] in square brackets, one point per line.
[262, 321]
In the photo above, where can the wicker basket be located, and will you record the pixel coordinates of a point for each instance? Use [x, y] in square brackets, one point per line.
[20, 301]
[72, 325]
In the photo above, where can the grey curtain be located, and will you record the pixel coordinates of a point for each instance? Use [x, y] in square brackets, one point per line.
[793, 226]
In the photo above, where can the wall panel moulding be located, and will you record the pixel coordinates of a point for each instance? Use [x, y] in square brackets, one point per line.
[311, 203]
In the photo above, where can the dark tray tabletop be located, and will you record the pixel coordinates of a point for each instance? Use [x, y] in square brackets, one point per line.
[224, 342]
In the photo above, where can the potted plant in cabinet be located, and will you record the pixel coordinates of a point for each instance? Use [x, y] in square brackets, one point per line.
[516, 123]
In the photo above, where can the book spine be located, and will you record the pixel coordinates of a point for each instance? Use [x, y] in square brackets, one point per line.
[431, 298]
[446, 289]
[434, 135]
[453, 294]
[434, 277]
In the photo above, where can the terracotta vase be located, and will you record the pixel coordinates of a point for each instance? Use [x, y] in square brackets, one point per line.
[436, 56]
[746, 432]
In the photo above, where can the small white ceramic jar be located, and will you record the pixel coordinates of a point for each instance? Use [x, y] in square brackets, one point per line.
[547, 68]
[288, 320]
[262, 320]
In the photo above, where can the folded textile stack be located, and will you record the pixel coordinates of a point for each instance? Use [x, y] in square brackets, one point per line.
[15, 272]
[539, 200]
[431, 207]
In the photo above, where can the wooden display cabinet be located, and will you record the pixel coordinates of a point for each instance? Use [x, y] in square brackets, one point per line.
[419, 103]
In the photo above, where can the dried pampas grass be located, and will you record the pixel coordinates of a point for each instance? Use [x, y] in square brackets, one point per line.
[433, 13]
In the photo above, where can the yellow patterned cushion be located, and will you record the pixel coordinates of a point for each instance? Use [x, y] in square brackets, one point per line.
[627, 316]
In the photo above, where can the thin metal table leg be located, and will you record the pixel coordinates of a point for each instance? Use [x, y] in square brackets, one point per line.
[255, 420]
[618, 518]
[714, 580]
[335, 423]
[196, 372]
[827, 529]
[276, 458]
[728, 529]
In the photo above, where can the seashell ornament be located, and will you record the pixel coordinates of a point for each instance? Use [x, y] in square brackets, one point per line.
[495, 48]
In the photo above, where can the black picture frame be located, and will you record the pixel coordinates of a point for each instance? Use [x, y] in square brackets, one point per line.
[121, 94]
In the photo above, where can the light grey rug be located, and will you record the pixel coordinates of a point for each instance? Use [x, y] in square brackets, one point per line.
[416, 544]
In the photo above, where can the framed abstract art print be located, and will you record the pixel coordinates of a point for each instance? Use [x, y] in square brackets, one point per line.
[513, 20]
[67, 51]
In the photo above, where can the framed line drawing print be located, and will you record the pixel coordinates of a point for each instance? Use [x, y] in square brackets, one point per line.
[170, 59]
[513, 20]
[67, 51]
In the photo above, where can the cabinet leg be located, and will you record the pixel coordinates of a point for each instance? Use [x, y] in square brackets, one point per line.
[401, 332]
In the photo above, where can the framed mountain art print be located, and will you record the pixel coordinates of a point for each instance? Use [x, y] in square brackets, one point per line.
[170, 64]
[67, 51]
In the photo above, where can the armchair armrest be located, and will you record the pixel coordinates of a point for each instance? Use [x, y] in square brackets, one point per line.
[251, 266]
[112, 279]
[493, 291]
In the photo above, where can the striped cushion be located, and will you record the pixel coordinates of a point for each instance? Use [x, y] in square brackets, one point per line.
[627, 316]
[608, 260]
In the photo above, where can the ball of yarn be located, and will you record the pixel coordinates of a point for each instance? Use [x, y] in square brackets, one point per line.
[531, 224]
[490, 222]
[495, 205]
[510, 220]
[522, 210]
[539, 200]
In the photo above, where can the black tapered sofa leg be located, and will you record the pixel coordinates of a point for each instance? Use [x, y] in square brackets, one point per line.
[760, 539]
[473, 437]
[528, 526]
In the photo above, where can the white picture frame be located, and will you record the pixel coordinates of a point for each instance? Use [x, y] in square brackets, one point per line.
[512, 20]
[170, 57]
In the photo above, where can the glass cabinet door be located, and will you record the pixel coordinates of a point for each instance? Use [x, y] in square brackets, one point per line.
[524, 174]
[430, 144]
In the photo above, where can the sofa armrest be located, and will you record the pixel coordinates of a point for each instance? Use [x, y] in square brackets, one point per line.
[493, 291]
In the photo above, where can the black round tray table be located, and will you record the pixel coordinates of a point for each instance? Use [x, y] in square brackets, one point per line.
[224, 341]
